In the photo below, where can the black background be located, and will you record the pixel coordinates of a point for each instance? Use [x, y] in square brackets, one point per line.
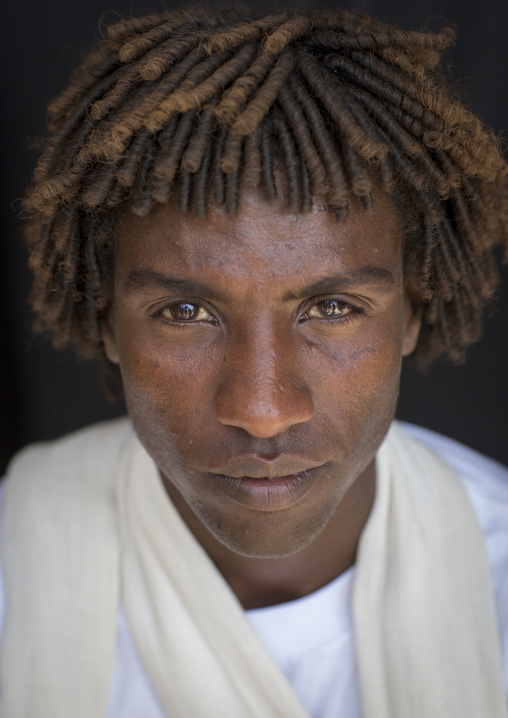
[44, 394]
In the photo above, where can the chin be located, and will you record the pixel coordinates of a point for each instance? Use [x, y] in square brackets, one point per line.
[271, 538]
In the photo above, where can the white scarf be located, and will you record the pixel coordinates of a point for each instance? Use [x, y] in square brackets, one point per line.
[87, 524]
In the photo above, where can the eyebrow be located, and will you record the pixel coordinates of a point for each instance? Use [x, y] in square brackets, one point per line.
[364, 276]
[139, 279]
[142, 278]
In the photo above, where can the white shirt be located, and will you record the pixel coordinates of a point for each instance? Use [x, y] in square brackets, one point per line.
[311, 639]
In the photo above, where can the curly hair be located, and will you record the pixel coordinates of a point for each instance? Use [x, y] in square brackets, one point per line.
[201, 102]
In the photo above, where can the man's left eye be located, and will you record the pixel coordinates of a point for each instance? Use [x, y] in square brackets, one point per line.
[329, 308]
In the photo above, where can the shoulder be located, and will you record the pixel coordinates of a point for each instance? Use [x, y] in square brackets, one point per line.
[81, 445]
[486, 483]
[61, 486]
[483, 478]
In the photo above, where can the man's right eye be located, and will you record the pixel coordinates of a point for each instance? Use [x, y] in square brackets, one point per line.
[185, 312]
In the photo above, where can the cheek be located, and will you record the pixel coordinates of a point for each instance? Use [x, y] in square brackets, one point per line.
[369, 362]
[358, 383]
[167, 393]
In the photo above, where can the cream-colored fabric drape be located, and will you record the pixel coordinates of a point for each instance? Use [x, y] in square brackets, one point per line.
[199, 650]
[87, 524]
[426, 631]
[60, 560]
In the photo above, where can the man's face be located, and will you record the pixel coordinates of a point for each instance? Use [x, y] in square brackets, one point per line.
[260, 356]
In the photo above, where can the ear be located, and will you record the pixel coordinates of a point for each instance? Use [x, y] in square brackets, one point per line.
[413, 317]
[108, 336]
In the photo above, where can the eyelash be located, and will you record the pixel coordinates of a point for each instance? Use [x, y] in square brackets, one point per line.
[354, 312]
[182, 324]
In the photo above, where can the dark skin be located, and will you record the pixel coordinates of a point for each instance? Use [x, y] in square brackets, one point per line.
[264, 345]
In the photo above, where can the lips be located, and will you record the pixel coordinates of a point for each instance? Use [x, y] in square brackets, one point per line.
[267, 486]
[256, 468]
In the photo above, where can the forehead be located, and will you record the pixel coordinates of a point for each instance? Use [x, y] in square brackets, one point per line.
[262, 239]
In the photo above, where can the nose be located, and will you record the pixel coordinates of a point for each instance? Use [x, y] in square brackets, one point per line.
[262, 390]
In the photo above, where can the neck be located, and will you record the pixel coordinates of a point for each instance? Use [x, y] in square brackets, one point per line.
[259, 582]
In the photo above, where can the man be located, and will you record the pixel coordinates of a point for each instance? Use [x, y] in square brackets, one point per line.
[251, 220]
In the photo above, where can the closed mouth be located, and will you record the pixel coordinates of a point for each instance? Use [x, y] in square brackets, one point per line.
[267, 493]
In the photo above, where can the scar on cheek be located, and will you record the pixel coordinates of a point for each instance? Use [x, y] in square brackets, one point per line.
[360, 352]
